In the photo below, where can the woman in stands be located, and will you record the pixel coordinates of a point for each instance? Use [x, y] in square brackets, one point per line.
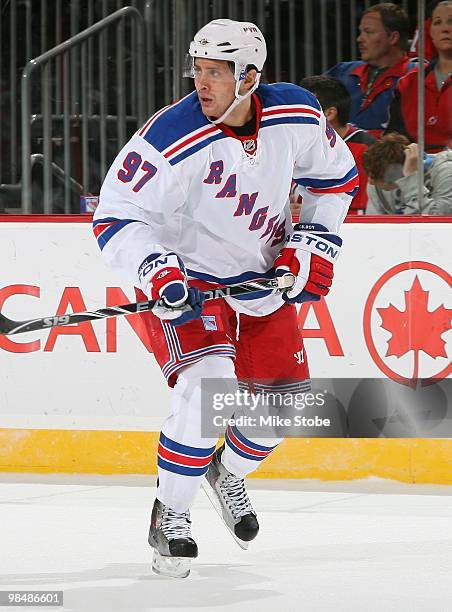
[438, 90]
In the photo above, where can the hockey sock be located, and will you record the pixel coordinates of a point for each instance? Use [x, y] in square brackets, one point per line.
[243, 455]
[184, 455]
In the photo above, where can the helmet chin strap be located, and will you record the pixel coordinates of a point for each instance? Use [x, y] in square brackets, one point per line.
[238, 99]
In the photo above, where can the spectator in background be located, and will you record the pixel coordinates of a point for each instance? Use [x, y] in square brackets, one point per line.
[336, 103]
[382, 40]
[391, 167]
[438, 90]
[429, 47]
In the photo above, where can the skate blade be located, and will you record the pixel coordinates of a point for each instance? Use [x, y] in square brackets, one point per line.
[173, 567]
[212, 497]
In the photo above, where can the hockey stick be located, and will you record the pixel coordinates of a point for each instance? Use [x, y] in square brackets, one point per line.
[8, 327]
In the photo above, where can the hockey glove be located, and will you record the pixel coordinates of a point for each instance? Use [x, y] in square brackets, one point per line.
[162, 276]
[309, 256]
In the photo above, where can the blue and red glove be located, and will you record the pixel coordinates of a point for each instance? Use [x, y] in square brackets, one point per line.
[163, 277]
[309, 255]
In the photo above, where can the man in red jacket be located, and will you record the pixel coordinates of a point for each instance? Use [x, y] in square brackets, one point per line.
[382, 41]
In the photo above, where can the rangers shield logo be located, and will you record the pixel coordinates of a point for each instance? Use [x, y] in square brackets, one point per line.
[209, 322]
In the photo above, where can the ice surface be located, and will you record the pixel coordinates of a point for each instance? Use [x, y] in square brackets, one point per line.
[339, 546]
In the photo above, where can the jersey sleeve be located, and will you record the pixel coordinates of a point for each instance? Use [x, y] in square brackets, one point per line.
[326, 177]
[139, 198]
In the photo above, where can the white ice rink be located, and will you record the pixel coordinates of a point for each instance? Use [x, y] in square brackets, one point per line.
[342, 546]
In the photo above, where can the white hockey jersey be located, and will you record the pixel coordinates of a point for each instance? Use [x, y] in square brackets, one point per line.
[220, 201]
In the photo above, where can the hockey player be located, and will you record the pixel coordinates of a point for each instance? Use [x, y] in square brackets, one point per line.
[199, 197]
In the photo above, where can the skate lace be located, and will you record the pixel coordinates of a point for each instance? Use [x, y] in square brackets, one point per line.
[235, 495]
[176, 524]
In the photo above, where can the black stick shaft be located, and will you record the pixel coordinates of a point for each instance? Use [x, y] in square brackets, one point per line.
[9, 327]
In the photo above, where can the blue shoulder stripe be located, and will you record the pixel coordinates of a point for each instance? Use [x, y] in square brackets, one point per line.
[197, 147]
[279, 94]
[283, 120]
[176, 122]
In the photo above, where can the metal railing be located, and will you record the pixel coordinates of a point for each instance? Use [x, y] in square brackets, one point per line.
[104, 67]
[298, 34]
[75, 98]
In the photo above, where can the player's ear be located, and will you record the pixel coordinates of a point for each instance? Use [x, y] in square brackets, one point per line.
[250, 78]
[394, 38]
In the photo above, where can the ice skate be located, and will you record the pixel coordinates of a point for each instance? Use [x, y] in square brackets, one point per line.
[170, 537]
[229, 497]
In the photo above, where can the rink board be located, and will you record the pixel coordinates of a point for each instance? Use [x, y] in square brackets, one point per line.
[110, 452]
[90, 398]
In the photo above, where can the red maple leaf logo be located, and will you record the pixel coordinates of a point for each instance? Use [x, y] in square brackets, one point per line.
[416, 328]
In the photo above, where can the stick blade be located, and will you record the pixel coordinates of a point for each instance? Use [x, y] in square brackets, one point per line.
[6, 325]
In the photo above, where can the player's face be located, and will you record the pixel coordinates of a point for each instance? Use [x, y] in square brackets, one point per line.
[441, 28]
[215, 85]
[373, 41]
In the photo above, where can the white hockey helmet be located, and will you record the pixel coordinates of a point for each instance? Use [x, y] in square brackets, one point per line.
[240, 42]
